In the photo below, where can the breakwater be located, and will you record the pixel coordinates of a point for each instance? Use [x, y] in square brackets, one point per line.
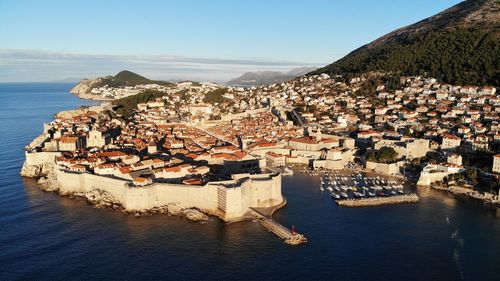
[290, 237]
[369, 202]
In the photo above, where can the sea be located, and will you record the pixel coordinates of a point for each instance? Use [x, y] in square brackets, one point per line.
[44, 236]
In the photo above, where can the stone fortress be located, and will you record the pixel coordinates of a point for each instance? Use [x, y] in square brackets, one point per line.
[231, 200]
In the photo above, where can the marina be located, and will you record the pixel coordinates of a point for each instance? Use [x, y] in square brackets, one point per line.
[362, 188]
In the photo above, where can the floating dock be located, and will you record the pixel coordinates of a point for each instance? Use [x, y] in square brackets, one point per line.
[378, 201]
[290, 237]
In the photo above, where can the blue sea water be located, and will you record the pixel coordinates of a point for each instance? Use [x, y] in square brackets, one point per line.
[47, 237]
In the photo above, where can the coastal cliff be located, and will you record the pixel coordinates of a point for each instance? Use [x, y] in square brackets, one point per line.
[35, 170]
[38, 164]
[84, 87]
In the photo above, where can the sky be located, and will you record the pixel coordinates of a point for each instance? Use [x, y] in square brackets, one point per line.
[211, 40]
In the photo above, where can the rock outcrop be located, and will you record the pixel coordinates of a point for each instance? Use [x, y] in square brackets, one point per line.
[194, 214]
[100, 199]
[36, 171]
[85, 86]
[175, 209]
[49, 182]
[83, 89]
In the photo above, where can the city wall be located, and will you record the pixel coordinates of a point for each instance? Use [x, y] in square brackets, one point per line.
[40, 158]
[382, 168]
[232, 202]
[427, 179]
[229, 117]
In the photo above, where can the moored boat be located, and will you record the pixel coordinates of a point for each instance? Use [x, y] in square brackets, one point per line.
[335, 196]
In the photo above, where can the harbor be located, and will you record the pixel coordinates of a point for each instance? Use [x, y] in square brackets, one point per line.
[361, 188]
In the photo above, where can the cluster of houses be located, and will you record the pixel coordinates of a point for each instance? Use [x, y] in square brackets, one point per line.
[143, 151]
[184, 135]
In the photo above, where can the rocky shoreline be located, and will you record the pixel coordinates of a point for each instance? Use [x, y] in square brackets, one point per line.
[487, 198]
[83, 88]
[92, 97]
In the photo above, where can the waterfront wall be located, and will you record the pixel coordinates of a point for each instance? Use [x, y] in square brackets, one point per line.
[234, 202]
[40, 158]
[426, 179]
[229, 117]
[382, 168]
[38, 164]
[329, 164]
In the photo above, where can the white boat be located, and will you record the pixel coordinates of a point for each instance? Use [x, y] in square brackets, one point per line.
[344, 195]
[329, 188]
[321, 188]
[335, 196]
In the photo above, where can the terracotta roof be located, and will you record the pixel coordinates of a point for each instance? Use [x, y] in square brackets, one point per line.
[173, 169]
[68, 139]
[140, 179]
[111, 154]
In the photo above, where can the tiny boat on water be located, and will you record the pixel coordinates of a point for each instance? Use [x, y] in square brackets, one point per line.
[335, 196]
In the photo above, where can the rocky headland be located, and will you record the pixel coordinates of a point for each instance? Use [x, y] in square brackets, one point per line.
[84, 87]
[485, 198]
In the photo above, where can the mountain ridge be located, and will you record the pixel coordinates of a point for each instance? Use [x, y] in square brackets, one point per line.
[459, 45]
[261, 78]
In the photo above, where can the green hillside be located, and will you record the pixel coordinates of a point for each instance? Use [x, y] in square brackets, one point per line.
[460, 45]
[128, 78]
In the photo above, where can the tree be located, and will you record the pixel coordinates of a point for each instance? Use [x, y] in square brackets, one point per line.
[383, 155]
[471, 174]
[459, 56]
[215, 96]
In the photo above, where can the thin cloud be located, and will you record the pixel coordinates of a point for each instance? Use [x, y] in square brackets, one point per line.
[36, 65]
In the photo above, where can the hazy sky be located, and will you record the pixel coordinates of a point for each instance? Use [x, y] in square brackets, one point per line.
[202, 40]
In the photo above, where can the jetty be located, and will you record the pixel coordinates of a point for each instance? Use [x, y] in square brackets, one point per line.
[290, 237]
[378, 201]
